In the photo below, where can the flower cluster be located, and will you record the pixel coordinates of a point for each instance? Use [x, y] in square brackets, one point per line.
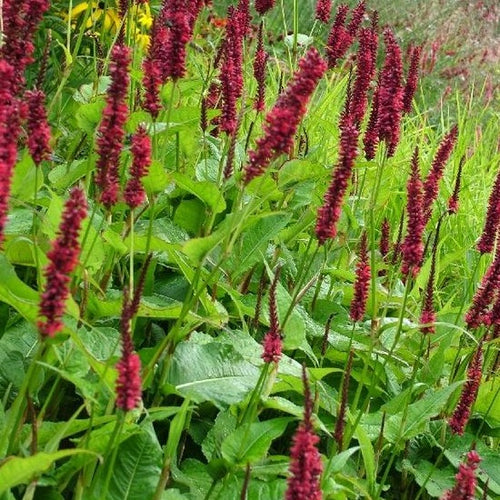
[460, 416]
[390, 94]
[111, 131]
[465, 480]
[431, 184]
[134, 193]
[428, 314]
[282, 121]
[259, 71]
[487, 240]
[262, 6]
[329, 212]
[412, 78]
[453, 200]
[63, 258]
[38, 128]
[361, 284]
[413, 247]
[272, 339]
[370, 139]
[305, 461]
[323, 9]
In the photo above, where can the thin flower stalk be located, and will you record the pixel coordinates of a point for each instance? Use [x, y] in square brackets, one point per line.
[63, 259]
[282, 121]
[305, 461]
[468, 396]
[465, 480]
[428, 314]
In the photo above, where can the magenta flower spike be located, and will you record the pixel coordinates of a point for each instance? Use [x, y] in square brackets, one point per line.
[272, 339]
[362, 283]
[465, 480]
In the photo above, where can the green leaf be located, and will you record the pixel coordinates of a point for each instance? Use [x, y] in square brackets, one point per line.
[488, 402]
[250, 442]
[64, 175]
[211, 372]
[89, 115]
[207, 192]
[21, 470]
[295, 171]
[224, 424]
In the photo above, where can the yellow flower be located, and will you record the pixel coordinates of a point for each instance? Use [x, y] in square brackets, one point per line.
[144, 17]
[108, 17]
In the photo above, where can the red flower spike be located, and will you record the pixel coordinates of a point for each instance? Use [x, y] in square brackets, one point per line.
[272, 340]
[365, 71]
[323, 10]
[128, 384]
[38, 128]
[390, 98]
[305, 460]
[356, 18]
[484, 296]
[361, 284]
[492, 222]
[63, 258]
[431, 184]
[412, 79]
[413, 247]
[460, 416]
[384, 238]
[134, 193]
[282, 121]
[9, 134]
[262, 6]
[370, 139]
[243, 9]
[259, 71]
[111, 131]
[339, 38]
[465, 480]
[329, 213]
[428, 315]
[453, 201]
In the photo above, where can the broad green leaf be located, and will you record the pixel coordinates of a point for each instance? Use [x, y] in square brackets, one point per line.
[368, 455]
[136, 470]
[21, 470]
[211, 372]
[23, 178]
[250, 442]
[295, 171]
[205, 191]
[488, 402]
[224, 424]
[64, 175]
[436, 480]
[89, 115]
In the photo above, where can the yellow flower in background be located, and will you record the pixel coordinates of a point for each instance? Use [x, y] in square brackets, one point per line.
[105, 16]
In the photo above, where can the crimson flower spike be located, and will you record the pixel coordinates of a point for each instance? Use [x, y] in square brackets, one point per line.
[128, 384]
[390, 98]
[262, 6]
[282, 121]
[411, 79]
[365, 71]
[384, 245]
[9, 134]
[339, 39]
[231, 74]
[490, 284]
[259, 71]
[413, 247]
[431, 184]
[428, 314]
[244, 10]
[323, 10]
[134, 193]
[370, 139]
[305, 461]
[111, 132]
[38, 127]
[362, 283]
[329, 213]
[272, 339]
[356, 18]
[465, 480]
[487, 240]
[453, 200]
[461, 415]
[63, 259]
